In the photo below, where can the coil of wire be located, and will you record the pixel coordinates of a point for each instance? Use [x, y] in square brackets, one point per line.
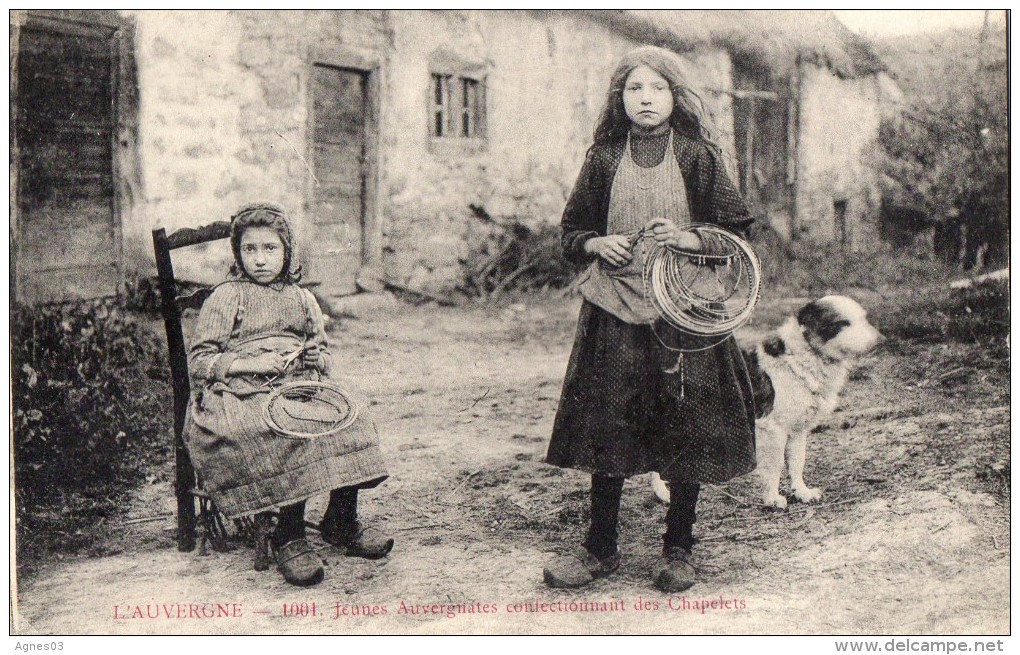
[675, 283]
[330, 407]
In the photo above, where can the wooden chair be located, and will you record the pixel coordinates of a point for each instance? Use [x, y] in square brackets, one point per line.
[186, 485]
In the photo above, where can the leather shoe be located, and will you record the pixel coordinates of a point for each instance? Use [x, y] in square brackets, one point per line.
[299, 563]
[579, 568]
[358, 540]
[675, 572]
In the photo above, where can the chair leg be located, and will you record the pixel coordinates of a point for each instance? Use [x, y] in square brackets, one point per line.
[186, 527]
[184, 484]
[214, 527]
[263, 529]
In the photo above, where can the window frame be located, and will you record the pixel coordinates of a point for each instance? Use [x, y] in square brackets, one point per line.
[457, 107]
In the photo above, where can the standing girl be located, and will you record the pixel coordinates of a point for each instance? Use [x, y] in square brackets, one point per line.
[631, 403]
[257, 330]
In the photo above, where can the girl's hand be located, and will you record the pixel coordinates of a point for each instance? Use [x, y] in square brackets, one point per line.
[666, 233]
[312, 356]
[265, 364]
[614, 249]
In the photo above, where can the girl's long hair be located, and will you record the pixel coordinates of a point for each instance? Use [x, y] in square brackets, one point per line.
[263, 214]
[688, 109]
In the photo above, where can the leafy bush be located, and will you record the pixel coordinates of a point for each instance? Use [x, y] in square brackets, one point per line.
[141, 294]
[946, 166]
[810, 269]
[87, 414]
[979, 314]
[518, 258]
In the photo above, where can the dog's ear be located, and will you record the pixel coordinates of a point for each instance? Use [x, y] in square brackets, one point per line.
[822, 319]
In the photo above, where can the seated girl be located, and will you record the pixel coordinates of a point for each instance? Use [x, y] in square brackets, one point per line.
[257, 330]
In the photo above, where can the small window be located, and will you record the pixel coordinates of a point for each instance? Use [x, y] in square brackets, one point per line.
[457, 107]
[842, 227]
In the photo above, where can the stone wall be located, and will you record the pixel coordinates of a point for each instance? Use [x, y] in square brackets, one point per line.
[223, 116]
[547, 76]
[191, 92]
[224, 113]
[839, 120]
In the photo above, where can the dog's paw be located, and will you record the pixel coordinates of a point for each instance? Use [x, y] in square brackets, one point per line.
[776, 500]
[659, 487]
[808, 494]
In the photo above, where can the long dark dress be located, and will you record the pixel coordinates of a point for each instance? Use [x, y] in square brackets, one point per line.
[625, 408]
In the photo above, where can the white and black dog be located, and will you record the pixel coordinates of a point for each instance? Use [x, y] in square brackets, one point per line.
[797, 375]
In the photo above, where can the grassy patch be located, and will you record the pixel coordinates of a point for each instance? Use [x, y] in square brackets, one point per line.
[88, 419]
[978, 315]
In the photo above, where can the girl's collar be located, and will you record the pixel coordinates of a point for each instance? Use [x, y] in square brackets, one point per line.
[657, 131]
[667, 135]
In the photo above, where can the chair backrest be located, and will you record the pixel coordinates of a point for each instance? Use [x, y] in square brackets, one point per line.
[172, 307]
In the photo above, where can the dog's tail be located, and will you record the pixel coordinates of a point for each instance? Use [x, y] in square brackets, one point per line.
[761, 384]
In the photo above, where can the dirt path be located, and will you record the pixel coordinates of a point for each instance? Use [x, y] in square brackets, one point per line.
[907, 539]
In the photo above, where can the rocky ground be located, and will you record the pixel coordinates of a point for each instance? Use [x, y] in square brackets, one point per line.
[911, 537]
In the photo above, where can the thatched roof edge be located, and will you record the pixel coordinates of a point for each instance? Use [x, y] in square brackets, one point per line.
[776, 40]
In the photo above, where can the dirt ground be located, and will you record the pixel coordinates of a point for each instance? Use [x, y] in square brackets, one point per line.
[911, 536]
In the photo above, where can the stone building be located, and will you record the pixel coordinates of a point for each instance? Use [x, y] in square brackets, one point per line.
[394, 138]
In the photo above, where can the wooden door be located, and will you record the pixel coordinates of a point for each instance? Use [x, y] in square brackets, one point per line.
[761, 127]
[66, 236]
[762, 115]
[336, 242]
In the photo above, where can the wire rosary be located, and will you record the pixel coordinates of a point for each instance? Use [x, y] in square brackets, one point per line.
[290, 407]
[703, 295]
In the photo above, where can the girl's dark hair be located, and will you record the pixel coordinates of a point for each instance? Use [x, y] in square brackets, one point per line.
[688, 109]
[263, 214]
